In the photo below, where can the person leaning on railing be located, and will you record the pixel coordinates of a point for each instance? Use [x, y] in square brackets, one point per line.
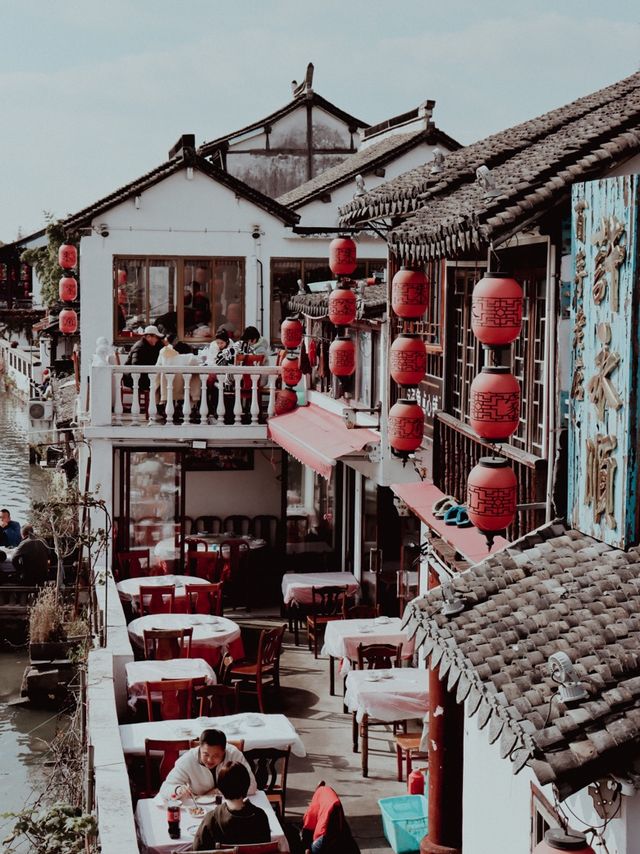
[144, 352]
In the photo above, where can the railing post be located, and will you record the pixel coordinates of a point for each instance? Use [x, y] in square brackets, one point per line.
[152, 408]
[237, 408]
[168, 378]
[204, 409]
[135, 402]
[255, 399]
[116, 390]
[186, 401]
[272, 396]
[220, 407]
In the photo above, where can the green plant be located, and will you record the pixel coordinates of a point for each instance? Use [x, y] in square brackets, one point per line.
[56, 829]
[44, 260]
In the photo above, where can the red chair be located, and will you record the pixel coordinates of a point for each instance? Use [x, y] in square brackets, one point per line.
[163, 644]
[265, 669]
[156, 775]
[235, 569]
[156, 599]
[130, 563]
[175, 700]
[217, 700]
[207, 565]
[327, 604]
[208, 524]
[204, 599]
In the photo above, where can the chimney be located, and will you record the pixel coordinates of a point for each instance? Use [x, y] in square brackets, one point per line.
[425, 112]
[186, 141]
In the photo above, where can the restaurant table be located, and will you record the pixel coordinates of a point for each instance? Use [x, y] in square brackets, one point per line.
[129, 588]
[256, 730]
[297, 591]
[140, 672]
[386, 696]
[153, 833]
[166, 549]
[212, 636]
[342, 638]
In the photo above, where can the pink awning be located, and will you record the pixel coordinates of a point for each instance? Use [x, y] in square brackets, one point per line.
[421, 497]
[318, 438]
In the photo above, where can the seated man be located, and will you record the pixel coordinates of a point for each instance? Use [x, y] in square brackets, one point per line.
[31, 558]
[9, 530]
[236, 821]
[196, 771]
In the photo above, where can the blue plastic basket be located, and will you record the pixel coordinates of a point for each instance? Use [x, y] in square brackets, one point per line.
[404, 820]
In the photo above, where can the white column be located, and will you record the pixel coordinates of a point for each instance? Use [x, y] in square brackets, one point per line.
[357, 526]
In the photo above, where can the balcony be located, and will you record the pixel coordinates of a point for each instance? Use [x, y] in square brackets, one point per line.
[174, 402]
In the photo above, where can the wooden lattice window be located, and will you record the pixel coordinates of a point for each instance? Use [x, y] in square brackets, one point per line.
[464, 350]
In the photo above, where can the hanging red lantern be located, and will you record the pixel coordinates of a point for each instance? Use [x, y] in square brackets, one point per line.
[342, 305]
[496, 309]
[557, 839]
[343, 258]
[291, 373]
[291, 333]
[68, 321]
[408, 360]
[67, 256]
[286, 401]
[409, 293]
[494, 404]
[405, 424]
[342, 356]
[492, 493]
[68, 289]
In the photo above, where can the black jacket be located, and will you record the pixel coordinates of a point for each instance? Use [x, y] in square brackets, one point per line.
[142, 353]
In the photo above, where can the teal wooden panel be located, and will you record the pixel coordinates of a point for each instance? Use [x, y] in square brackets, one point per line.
[605, 367]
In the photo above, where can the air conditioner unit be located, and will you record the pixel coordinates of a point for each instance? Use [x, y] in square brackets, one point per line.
[40, 410]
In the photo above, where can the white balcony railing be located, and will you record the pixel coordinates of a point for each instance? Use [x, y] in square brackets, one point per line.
[154, 398]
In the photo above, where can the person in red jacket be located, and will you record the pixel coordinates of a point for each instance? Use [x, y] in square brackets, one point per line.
[324, 828]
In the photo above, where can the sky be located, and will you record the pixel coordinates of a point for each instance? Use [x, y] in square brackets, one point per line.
[94, 94]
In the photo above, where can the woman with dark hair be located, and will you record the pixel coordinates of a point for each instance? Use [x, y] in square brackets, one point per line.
[254, 343]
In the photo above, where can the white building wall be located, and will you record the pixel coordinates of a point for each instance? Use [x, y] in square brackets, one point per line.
[223, 493]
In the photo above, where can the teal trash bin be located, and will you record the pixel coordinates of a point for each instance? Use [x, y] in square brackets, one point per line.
[404, 820]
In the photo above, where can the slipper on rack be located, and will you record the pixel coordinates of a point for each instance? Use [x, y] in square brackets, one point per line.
[451, 516]
[462, 519]
[443, 504]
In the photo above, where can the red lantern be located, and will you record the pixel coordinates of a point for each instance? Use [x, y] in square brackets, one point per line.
[291, 373]
[342, 256]
[408, 360]
[409, 293]
[492, 492]
[68, 321]
[67, 256]
[68, 289]
[122, 277]
[406, 427]
[494, 401]
[496, 309]
[559, 840]
[342, 357]
[286, 401]
[291, 333]
[342, 306]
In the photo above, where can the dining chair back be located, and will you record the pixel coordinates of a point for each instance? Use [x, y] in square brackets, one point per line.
[237, 524]
[217, 700]
[204, 598]
[264, 670]
[379, 656]
[297, 528]
[224, 669]
[235, 570]
[266, 527]
[156, 599]
[208, 525]
[175, 698]
[156, 774]
[148, 530]
[270, 767]
[327, 604]
[207, 565]
[164, 644]
[129, 563]
[188, 525]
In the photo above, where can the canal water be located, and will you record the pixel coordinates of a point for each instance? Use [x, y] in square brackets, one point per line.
[24, 733]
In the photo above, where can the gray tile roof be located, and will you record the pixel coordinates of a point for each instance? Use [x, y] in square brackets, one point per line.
[534, 165]
[554, 590]
[372, 304]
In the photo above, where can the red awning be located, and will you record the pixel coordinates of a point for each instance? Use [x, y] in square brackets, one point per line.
[318, 438]
[421, 497]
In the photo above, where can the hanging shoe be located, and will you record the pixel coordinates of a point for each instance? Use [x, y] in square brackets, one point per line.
[443, 504]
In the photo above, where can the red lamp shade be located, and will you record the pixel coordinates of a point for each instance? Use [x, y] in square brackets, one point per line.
[68, 321]
[409, 293]
[342, 306]
[408, 360]
[291, 333]
[286, 401]
[342, 357]
[496, 309]
[68, 289]
[343, 258]
[494, 400]
[291, 373]
[67, 256]
[558, 840]
[405, 425]
[492, 491]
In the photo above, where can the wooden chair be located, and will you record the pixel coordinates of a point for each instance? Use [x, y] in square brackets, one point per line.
[157, 774]
[208, 525]
[235, 570]
[266, 527]
[204, 598]
[297, 528]
[224, 669]
[148, 530]
[408, 747]
[207, 565]
[270, 767]
[188, 525]
[156, 599]
[129, 563]
[164, 644]
[327, 604]
[264, 671]
[176, 698]
[217, 700]
[237, 524]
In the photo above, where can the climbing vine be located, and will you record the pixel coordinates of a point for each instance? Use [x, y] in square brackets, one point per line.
[44, 260]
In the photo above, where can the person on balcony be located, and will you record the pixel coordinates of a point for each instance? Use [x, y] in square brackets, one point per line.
[176, 353]
[221, 352]
[144, 352]
[9, 530]
[253, 343]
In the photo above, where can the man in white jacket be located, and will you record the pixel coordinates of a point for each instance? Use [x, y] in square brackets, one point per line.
[195, 772]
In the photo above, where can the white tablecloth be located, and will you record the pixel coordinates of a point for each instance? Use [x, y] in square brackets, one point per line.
[207, 631]
[388, 695]
[296, 586]
[139, 672]
[166, 549]
[151, 820]
[342, 637]
[130, 587]
[255, 729]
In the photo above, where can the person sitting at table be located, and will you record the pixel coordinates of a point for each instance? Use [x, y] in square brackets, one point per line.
[9, 530]
[31, 558]
[236, 821]
[196, 771]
